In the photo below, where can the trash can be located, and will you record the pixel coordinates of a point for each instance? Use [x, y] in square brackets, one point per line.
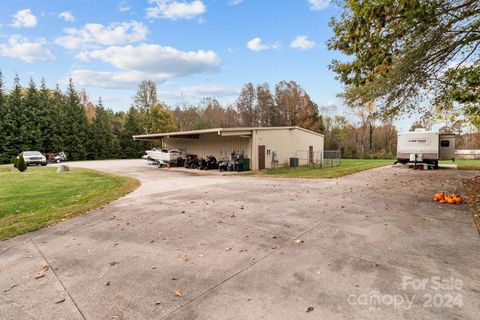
[246, 164]
[294, 162]
[238, 167]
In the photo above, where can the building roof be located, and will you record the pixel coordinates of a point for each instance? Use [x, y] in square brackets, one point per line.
[241, 131]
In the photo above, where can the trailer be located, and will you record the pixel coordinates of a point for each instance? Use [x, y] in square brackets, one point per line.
[425, 147]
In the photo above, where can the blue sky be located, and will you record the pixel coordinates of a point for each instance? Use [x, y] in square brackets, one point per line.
[191, 47]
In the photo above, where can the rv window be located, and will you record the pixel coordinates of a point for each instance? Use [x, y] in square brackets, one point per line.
[444, 143]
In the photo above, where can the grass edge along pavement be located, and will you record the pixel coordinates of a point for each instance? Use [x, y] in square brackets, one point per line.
[347, 167]
[40, 197]
[467, 164]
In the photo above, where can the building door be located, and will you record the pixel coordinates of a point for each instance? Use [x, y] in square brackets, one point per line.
[310, 155]
[261, 157]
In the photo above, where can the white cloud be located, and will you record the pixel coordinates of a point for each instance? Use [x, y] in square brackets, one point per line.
[209, 90]
[113, 80]
[303, 43]
[82, 56]
[146, 61]
[29, 51]
[235, 2]
[123, 6]
[96, 34]
[318, 4]
[173, 9]
[67, 16]
[24, 18]
[257, 45]
[155, 59]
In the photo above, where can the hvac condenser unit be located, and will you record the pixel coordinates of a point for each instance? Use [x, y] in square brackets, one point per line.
[425, 147]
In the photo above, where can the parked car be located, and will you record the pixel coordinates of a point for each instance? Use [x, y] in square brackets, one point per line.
[60, 157]
[34, 157]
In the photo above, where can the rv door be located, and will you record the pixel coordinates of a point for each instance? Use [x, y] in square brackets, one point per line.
[447, 147]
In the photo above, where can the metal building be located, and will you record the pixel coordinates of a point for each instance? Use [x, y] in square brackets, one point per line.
[265, 147]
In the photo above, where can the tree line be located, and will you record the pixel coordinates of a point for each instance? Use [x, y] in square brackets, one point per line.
[50, 120]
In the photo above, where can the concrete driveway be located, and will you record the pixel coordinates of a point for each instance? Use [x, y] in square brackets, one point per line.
[187, 246]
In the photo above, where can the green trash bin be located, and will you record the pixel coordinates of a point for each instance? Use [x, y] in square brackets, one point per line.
[246, 164]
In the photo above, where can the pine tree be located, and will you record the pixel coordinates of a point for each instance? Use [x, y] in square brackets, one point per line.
[2, 116]
[133, 126]
[76, 125]
[47, 118]
[12, 128]
[101, 142]
[58, 112]
[31, 127]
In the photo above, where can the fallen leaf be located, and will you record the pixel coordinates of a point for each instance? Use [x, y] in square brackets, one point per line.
[60, 301]
[40, 275]
[113, 263]
[178, 293]
[309, 309]
[107, 284]
[10, 288]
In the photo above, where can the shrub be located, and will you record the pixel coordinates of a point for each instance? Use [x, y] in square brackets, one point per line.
[21, 166]
[15, 162]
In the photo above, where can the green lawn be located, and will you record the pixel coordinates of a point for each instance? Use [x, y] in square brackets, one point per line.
[468, 164]
[348, 166]
[464, 164]
[39, 196]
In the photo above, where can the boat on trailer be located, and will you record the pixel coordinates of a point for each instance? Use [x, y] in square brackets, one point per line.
[165, 156]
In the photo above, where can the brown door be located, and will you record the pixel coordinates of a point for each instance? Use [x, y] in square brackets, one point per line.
[261, 157]
[310, 155]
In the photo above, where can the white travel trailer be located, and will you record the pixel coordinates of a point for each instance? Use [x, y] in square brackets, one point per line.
[421, 146]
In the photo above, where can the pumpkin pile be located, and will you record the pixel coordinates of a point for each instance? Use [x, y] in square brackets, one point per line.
[444, 197]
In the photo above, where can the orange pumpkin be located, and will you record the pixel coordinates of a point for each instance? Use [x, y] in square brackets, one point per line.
[458, 200]
[438, 196]
[450, 200]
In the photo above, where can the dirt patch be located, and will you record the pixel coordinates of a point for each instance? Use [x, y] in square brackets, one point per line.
[472, 190]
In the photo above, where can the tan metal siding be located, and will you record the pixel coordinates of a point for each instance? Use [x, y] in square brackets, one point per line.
[212, 144]
[286, 143]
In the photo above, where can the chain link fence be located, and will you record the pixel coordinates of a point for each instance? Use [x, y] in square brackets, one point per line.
[331, 158]
[319, 159]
